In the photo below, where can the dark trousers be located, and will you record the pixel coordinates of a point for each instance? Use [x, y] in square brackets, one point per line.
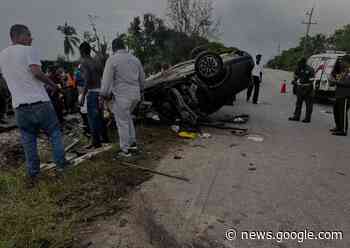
[85, 119]
[70, 99]
[304, 94]
[299, 104]
[340, 112]
[96, 122]
[256, 86]
[58, 106]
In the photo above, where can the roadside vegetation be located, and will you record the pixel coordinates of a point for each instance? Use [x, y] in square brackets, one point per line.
[52, 213]
[339, 40]
[155, 41]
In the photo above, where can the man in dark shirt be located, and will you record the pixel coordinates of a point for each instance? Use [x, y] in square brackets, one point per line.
[91, 72]
[342, 96]
[304, 90]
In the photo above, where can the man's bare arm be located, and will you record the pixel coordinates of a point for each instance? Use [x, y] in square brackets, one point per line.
[39, 74]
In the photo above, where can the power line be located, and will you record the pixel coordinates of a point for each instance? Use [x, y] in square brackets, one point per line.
[308, 23]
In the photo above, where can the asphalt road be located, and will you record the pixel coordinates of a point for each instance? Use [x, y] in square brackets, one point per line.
[296, 181]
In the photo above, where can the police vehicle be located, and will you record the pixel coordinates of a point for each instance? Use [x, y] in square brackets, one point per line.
[324, 65]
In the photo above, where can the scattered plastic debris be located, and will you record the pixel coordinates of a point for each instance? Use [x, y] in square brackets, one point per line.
[205, 135]
[341, 173]
[252, 167]
[175, 128]
[256, 138]
[187, 135]
[327, 112]
[153, 116]
[237, 119]
[239, 132]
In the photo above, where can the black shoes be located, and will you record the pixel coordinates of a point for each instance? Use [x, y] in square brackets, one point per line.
[30, 182]
[293, 119]
[335, 129]
[339, 133]
[306, 120]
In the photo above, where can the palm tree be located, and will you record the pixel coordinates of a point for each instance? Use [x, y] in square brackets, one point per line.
[70, 39]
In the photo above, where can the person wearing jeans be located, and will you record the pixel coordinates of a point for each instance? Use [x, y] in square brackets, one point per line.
[96, 120]
[30, 119]
[91, 72]
[21, 68]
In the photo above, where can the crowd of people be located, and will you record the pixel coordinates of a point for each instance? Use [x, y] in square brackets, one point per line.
[39, 99]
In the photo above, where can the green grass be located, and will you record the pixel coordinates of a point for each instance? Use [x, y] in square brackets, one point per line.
[50, 214]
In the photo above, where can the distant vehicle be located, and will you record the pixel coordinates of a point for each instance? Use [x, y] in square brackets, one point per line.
[324, 65]
[193, 89]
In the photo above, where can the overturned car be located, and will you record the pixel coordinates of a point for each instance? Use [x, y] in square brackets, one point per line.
[194, 89]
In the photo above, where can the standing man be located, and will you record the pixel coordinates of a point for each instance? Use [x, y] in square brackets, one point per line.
[124, 78]
[257, 79]
[342, 101]
[91, 72]
[304, 90]
[21, 69]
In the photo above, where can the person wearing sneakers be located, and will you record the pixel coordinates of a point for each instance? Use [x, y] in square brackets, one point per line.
[21, 68]
[304, 90]
[123, 78]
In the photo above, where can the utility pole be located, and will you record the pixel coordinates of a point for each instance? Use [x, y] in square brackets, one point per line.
[92, 19]
[308, 23]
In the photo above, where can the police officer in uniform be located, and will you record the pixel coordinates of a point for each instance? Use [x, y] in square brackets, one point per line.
[342, 94]
[304, 90]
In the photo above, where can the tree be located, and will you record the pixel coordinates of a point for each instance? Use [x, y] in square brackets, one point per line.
[341, 39]
[193, 17]
[70, 39]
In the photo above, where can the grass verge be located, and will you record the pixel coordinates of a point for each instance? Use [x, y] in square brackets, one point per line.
[50, 214]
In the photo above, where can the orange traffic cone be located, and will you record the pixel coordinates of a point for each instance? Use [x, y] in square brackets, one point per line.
[283, 87]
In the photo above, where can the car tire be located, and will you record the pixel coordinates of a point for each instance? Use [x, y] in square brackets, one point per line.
[208, 66]
[197, 50]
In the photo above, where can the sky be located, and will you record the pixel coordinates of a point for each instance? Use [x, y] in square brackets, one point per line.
[256, 26]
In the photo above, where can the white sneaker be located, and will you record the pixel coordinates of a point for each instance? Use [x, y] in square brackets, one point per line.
[123, 154]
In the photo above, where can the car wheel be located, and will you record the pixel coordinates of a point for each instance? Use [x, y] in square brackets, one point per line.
[208, 66]
[197, 50]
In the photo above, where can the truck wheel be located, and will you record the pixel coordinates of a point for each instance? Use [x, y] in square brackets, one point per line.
[208, 66]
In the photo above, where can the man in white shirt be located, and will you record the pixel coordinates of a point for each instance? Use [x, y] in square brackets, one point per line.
[257, 79]
[123, 77]
[21, 68]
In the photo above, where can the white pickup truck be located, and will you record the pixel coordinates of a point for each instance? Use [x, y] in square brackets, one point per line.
[324, 65]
